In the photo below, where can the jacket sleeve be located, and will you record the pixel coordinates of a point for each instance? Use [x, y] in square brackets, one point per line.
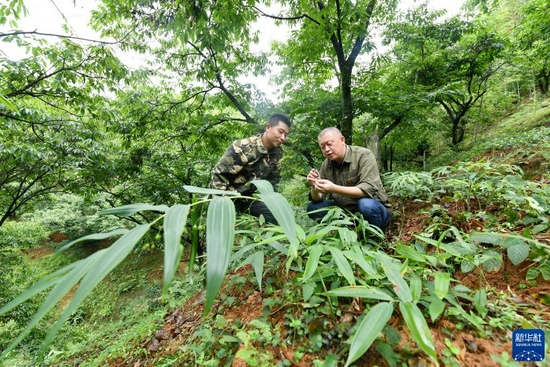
[369, 177]
[228, 169]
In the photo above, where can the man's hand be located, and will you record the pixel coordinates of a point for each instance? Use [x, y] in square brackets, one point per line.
[324, 186]
[313, 176]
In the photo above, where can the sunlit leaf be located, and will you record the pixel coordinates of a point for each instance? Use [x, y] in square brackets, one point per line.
[282, 211]
[410, 253]
[174, 223]
[220, 236]
[416, 288]
[368, 330]
[263, 186]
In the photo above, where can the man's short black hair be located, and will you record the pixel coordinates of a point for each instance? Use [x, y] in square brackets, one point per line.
[279, 117]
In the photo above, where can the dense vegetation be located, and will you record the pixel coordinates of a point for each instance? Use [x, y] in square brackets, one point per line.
[105, 165]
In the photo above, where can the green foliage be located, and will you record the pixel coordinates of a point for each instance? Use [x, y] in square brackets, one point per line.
[22, 235]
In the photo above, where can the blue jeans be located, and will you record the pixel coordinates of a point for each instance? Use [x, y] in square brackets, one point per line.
[372, 211]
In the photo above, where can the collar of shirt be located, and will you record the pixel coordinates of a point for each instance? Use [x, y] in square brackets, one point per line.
[347, 159]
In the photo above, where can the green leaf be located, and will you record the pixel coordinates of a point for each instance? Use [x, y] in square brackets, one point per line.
[257, 261]
[416, 288]
[467, 266]
[545, 270]
[220, 236]
[263, 186]
[315, 252]
[342, 264]
[282, 211]
[368, 330]
[517, 249]
[356, 255]
[6, 102]
[107, 260]
[97, 236]
[441, 284]
[486, 237]
[359, 291]
[130, 209]
[410, 253]
[493, 262]
[436, 308]
[400, 287]
[201, 190]
[174, 223]
[419, 328]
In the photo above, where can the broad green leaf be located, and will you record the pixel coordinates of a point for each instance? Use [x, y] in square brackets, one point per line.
[263, 186]
[268, 241]
[368, 330]
[174, 223]
[107, 260]
[359, 291]
[220, 236]
[320, 233]
[315, 252]
[400, 287]
[493, 261]
[480, 300]
[97, 236]
[410, 253]
[201, 190]
[130, 209]
[436, 308]
[486, 237]
[416, 288]
[459, 248]
[545, 270]
[343, 265]
[467, 266]
[419, 328]
[518, 253]
[441, 284]
[282, 211]
[331, 360]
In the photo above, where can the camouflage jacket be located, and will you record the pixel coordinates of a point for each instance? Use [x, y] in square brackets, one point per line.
[358, 168]
[246, 160]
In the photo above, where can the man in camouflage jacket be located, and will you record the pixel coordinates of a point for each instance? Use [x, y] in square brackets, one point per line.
[253, 158]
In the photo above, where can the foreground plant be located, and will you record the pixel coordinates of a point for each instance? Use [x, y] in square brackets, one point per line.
[86, 274]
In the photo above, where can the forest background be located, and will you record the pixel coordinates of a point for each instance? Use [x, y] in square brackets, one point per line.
[82, 132]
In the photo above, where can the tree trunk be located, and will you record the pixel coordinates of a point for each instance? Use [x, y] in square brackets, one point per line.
[373, 144]
[347, 105]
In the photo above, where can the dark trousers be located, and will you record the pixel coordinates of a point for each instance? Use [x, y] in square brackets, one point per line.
[372, 211]
[255, 208]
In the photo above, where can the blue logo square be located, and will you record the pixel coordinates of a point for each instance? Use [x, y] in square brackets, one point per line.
[528, 345]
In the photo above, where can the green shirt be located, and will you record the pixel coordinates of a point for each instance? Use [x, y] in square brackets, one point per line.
[358, 168]
[246, 160]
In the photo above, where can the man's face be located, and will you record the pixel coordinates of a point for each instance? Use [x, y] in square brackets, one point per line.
[275, 135]
[333, 146]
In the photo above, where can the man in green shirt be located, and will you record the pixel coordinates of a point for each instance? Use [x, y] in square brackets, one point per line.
[350, 177]
[253, 158]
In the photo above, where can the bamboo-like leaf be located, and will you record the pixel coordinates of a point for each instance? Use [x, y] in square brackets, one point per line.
[257, 261]
[368, 330]
[201, 190]
[436, 307]
[106, 262]
[416, 288]
[410, 253]
[315, 252]
[6, 102]
[263, 186]
[174, 223]
[96, 236]
[220, 236]
[419, 328]
[358, 257]
[130, 209]
[282, 211]
[400, 287]
[359, 291]
[441, 284]
[343, 265]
